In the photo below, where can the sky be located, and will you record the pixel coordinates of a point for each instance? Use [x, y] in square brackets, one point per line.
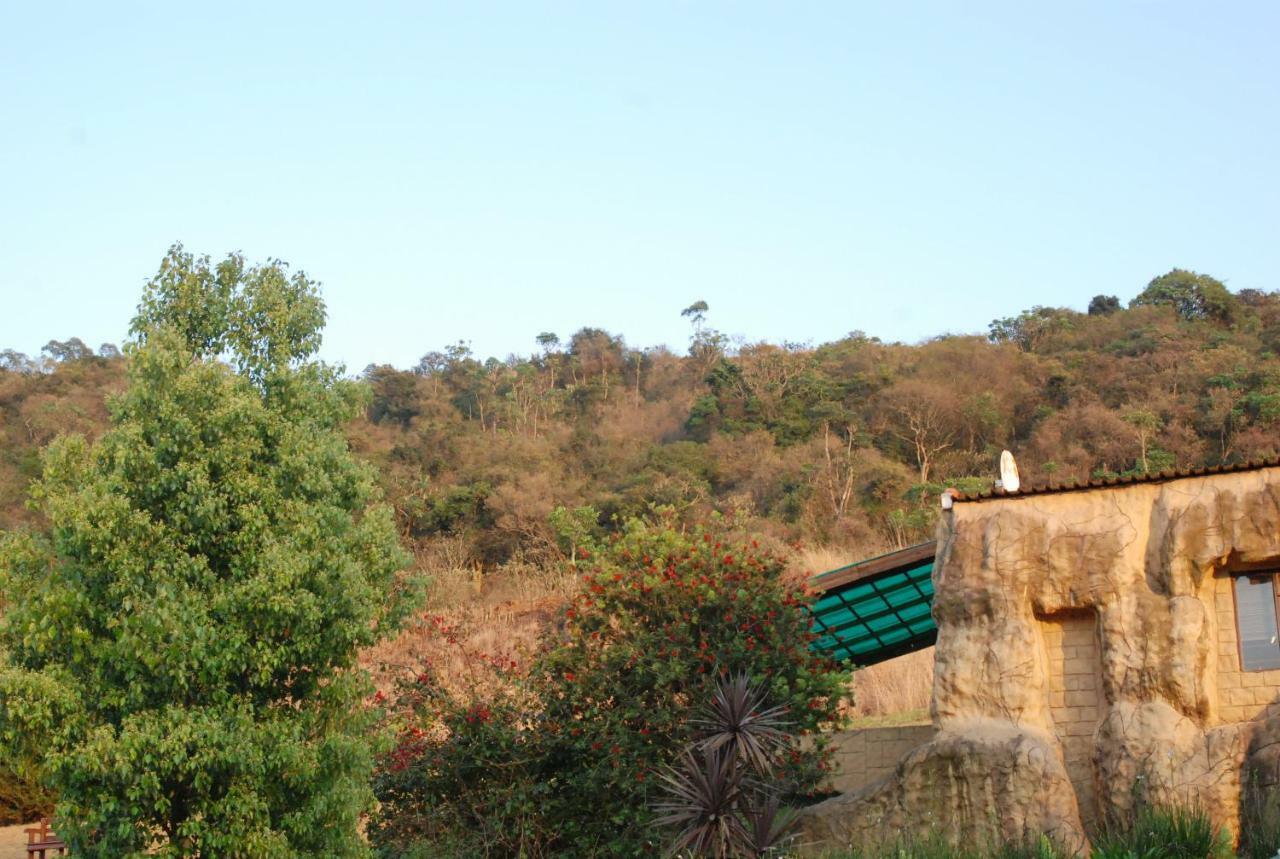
[487, 171]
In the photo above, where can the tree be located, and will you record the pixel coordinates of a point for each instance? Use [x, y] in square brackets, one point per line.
[67, 350]
[596, 350]
[215, 561]
[1145, 424]
[16, 362]
[1192, 295]
[841, 468]
[1030, 327]
[575, 527]
[1103, 305]
[696, 313]
[922, 415]
[549, 341]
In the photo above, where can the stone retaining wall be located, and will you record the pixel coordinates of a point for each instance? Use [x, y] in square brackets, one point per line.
[861, 756]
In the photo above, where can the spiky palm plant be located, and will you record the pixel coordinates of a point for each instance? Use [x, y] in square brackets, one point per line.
[768, 826]
[738, 719]
[702, 804]
[720, 798]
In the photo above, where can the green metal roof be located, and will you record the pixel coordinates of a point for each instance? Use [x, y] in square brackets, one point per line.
[878, 608]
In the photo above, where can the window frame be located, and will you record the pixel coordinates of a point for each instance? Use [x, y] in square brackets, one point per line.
[1266, 572]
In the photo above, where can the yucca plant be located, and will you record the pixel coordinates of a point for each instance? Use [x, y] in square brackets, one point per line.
[703, 798]
[737, 719]
[768, 826]
[721, 799]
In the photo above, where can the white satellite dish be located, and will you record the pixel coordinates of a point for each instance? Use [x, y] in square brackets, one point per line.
[1009, 473]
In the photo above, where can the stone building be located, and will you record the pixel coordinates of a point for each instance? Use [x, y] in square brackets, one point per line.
[1096, 644]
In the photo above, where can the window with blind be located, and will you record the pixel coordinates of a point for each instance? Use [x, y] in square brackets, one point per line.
[1256, 612]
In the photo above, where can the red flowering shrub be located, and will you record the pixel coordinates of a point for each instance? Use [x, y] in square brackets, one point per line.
[570, 769]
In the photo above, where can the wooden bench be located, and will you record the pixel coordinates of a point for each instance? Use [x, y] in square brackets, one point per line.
[41, 839]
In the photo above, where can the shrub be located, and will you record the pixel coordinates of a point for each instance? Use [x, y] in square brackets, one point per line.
[566, 763]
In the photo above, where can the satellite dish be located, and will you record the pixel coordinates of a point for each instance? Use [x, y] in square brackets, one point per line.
[1009, 473]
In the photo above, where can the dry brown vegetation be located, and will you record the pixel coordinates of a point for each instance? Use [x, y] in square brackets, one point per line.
[901, 685]
[829, 453]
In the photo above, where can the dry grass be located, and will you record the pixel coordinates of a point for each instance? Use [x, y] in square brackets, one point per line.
[13, 842]
[478, 626]
[902, 685]
[897, 689]
[815, 560]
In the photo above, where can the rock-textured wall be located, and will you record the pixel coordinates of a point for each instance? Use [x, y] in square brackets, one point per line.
[1114, 588]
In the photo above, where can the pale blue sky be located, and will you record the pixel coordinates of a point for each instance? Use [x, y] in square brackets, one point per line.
[487, 171]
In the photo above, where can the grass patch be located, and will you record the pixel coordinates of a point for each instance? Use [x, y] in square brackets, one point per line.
[1150, 833]
[936, 847]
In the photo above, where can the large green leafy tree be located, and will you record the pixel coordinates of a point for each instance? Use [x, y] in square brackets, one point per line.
[180, 650]
[1192, 295]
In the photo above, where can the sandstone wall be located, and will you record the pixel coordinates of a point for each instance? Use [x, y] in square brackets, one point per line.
[1085, 657]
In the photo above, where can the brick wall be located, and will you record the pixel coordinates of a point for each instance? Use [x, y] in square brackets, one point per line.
[1075, 695]
[865, 755]
[1242, 695]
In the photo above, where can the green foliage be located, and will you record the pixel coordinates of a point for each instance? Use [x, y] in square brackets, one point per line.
[576, 528]
[1028, 328]
[1103, 305]
[1151, 833]
[449, 510]
[1192, 295]
[938, 847]
[607, 704]
[187, 639]
[33, 707]
[1259, 814]
[1156, 832]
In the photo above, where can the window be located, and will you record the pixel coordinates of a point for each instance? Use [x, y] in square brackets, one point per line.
[1256, 621]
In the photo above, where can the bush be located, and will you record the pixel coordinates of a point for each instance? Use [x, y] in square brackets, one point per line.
[566, 763]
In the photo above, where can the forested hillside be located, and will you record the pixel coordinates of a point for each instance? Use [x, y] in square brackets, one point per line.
[844, 444]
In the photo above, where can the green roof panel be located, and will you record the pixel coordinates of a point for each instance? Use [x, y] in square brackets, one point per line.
[876, 609]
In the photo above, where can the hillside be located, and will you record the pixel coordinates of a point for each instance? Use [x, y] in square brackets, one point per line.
[841, 445]
[498, 470]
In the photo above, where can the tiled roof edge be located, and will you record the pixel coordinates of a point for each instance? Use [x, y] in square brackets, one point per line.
[1102, 483]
